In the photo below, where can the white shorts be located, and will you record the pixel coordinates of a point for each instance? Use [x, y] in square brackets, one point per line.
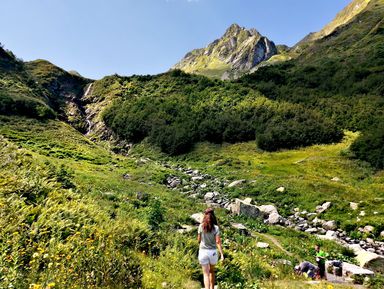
[208, 256]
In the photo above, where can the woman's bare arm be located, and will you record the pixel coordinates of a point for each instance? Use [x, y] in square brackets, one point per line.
[218, 242]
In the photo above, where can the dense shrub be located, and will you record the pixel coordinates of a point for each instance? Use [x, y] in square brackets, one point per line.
[24, 107]
[176, 110]
[370, 146]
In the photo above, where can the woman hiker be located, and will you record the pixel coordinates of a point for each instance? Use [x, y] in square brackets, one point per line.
[209, 239]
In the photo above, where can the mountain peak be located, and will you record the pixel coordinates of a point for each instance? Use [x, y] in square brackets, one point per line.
[235, 53]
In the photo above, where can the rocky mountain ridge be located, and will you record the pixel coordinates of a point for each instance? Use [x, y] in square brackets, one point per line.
[235, 53]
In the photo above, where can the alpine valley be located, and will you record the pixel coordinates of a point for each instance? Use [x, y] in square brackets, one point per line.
[102, 181]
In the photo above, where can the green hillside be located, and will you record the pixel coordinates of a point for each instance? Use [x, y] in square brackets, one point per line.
[70, 219]
[87, 166]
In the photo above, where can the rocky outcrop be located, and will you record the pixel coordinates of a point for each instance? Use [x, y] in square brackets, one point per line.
[235, 53]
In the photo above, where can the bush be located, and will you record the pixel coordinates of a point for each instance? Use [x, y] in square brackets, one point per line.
[369, 146]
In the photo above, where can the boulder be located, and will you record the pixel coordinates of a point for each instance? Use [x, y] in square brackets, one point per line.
[311, 230]
[197, 218]
[368, 229]
[368, 260]
[236, 183]
[353, 270]
[323, 207]
[354, 206]
[280, 189]
[331, 234]
[330, 225]
[241, 208]
[318, 222]
[248, 201]
[262, 245]
[267, 210]
[211, 196]
[275, 218]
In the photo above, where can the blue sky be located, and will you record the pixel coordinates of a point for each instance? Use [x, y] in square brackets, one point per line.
[102, 37]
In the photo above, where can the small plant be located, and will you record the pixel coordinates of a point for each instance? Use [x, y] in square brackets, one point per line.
[156, 215]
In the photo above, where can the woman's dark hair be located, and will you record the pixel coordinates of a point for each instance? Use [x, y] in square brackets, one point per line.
[209, 220]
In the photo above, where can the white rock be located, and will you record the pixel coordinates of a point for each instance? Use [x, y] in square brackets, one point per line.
[351, 269]
[266, 210]
[236, 183]
[362, 213]
[368, 229]
[198, 217]
[323, 207]
[331, 234]
[280, 189]
[198, 178]
[239, 226]
[311, 230]
[330, 225]
[203, 186]
[274, 218]
[382, 234]
[354, 206]
[335, 179]
[262, 245]
[247, 201]
[210, 196]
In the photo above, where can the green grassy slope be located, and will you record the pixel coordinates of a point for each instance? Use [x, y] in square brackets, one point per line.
[307, 176]
[70, 220]
[341, 75]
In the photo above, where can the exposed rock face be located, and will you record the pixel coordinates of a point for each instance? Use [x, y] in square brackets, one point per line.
[235, 53]
[241, 208]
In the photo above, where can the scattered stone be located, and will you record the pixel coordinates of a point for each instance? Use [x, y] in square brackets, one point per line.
[382, 234]
[331, 234]
[243, 230]
[211, 196]
[323, 207]
[198, 178]
[354, 206]
[330, 225]
[126, 176]
[316, 221]
[311, 230]
[262, 245]
[280, 189]
[236, 183]
[282, 262]
[336, 179]
[198, 218]
[362, 213]
[267, 210]
[203, 186]
[368, 229]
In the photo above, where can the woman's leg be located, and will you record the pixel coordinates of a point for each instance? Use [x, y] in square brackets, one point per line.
[206, 276]
[212, 276]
